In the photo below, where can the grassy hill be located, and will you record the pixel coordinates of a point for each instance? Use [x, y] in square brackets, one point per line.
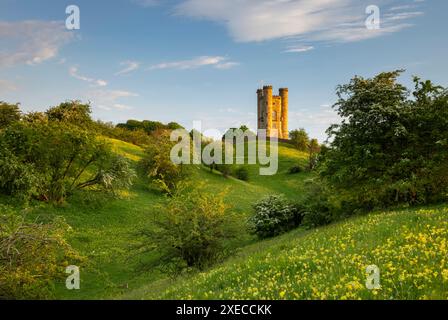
[409, 246]
[105, 230]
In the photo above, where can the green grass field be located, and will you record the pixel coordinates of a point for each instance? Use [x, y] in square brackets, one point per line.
[104, 230]
[409, 246]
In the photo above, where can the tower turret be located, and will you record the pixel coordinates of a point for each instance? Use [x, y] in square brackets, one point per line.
[267, 92]
[284, 95]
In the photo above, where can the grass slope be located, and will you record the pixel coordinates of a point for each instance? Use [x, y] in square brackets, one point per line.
[104, 230]
[409, 246]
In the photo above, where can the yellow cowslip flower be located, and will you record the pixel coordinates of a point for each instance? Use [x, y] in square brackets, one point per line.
[445, 275]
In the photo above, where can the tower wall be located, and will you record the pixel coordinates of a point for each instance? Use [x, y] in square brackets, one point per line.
[273, 112]
[285, 101]
[277, 116]
[267, 92]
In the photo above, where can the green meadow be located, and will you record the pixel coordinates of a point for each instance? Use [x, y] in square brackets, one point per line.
[104, 229]
[408, 245]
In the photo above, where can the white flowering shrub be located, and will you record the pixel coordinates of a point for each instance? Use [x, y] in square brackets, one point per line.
[274, 215]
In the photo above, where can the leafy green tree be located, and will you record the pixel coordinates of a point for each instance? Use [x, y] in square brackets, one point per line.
[73, 112]
[300, 139]
[33, 255]
[390, 147]
[158, 167]
[174, 126]
[51, 160]
[193, 230]
[9, 113]
[313, 151]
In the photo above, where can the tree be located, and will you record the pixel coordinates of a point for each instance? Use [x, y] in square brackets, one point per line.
[390, 147]
[50, 160]
[313, 150]
[174, 126]
[300, 139]
[32, 255]
[73, 112]
[158, 167]
[192, 231]
[9, 113]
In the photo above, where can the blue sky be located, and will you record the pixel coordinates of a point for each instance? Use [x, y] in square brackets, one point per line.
[189, 60]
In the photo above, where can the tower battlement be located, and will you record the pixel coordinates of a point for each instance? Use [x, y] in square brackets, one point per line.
[273, 112]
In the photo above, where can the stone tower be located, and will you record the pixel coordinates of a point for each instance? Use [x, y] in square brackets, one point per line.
[273, 112]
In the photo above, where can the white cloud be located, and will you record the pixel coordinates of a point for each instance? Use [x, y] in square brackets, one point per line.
[73, 71]
[402, 7]
[299, 49]
[402, 15]
[305, 20]
[218, 62]
[227, 65]
[31, 42]
[128, 67]
[109, 99]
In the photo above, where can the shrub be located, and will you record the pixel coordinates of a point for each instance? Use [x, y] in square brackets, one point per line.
[73, 112]
[32, 256]
[242, 173]
[9, 113]
[158, 167]
[138, 137]
[225, 169]
[390, 148]
[50, 160]
[300, 138]
[296, 169]
[18, 179]
[192, 231]
[274, 215]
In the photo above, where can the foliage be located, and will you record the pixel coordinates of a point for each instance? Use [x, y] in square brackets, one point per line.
[139, 137]
[51, 160]
[274, 215]
[390, 148]
[296, 169]
[158, 167]
[192, 230]
[321, 206]
[32, 256]
[9, 113]
[225, 169]
[148, 126]
[300, 139]
[174, 126]
[18, 179]
[73, 112]
[242, 173]
[313, 150]
[329, 263]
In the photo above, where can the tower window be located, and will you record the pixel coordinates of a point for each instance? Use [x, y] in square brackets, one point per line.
[274, 115]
